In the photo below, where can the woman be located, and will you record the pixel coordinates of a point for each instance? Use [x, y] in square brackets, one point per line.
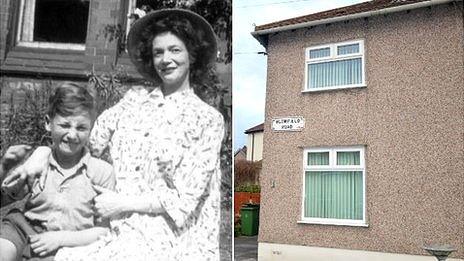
[165, 149]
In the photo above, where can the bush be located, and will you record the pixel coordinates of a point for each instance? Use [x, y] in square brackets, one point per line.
[24, 122]
[237, 229]
[246, 172]
[253, 188]
[108, 88]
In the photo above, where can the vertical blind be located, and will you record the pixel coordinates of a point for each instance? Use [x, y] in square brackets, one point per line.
[334, 194]
[335, 73]
[319, 53]
[347, 49]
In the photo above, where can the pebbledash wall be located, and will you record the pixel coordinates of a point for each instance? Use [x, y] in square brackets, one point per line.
[409, 118]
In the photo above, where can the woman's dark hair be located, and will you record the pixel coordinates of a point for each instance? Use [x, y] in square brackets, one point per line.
[69, 98]
[192, 37]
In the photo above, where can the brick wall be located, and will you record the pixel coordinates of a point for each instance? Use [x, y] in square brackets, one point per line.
[100, 53]
[4, 17]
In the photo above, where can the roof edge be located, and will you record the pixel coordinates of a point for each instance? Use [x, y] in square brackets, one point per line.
[257, 128]
[261, 34]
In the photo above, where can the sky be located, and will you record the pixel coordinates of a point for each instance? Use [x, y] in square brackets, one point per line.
[249, 67]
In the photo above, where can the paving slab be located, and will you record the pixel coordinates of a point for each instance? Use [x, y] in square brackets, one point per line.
[246, 248]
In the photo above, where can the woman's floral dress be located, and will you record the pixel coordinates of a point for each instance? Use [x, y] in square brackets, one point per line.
[167, 149]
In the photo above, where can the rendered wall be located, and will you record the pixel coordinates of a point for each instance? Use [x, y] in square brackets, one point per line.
[410, 117]
[255, 146]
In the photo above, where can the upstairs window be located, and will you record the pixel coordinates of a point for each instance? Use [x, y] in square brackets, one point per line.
[334, 190]
[57, 24]
[335, 66]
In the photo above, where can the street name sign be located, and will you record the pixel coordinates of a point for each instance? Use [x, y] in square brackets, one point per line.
[288, 124]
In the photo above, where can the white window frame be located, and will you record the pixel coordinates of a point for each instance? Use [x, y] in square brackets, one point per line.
[44, 45]
[333, 167]
[130, 10]
[334, 57]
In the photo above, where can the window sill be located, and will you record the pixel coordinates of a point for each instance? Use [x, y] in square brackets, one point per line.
[48, 51]
[334, 88]
[334, 222]
[24, 60]
[57, 46]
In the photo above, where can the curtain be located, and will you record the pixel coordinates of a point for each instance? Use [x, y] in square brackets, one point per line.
[334, 194]
[348, 158]
[318, 158]
[335, 73]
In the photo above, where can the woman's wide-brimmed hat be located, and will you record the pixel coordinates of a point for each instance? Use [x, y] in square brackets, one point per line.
[138, 34]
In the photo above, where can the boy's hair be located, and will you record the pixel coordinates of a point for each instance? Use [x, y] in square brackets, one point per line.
[69, 98]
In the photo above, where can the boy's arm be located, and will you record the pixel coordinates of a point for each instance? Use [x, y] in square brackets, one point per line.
[102, 175]
[47, 242]
[83, 237]
[10, 195]
[13, 190]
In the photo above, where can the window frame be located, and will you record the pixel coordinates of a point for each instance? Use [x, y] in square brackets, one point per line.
[44, 45]
[333, 167]
[334, 57]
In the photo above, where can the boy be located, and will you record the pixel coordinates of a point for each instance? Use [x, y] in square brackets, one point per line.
[59, 211]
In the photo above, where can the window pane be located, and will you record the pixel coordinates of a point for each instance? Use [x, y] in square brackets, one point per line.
[334, 194]
[319, 53]
[336, 73]
[347, 49]
[61, 21]
[318, 158]
[348, 158]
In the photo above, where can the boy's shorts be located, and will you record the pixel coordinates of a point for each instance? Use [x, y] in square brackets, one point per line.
[16, 228]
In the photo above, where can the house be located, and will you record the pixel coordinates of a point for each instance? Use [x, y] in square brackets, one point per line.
[255, 142]
[248, 169]
[377, 171]
[62, 40]
[240, 154]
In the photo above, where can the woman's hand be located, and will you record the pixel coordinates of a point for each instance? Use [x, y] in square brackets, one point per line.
[14, 182]
[14, 155]
[108, 203]
[35, 166]
[47, 242]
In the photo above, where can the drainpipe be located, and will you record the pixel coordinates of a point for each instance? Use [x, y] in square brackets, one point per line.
[252, 146]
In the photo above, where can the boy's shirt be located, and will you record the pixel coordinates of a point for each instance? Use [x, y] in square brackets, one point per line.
[65, 201]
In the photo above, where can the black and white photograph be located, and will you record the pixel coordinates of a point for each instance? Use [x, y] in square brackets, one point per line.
[116, 130]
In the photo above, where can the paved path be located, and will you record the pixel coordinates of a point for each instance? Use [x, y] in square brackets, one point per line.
[246, 248]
